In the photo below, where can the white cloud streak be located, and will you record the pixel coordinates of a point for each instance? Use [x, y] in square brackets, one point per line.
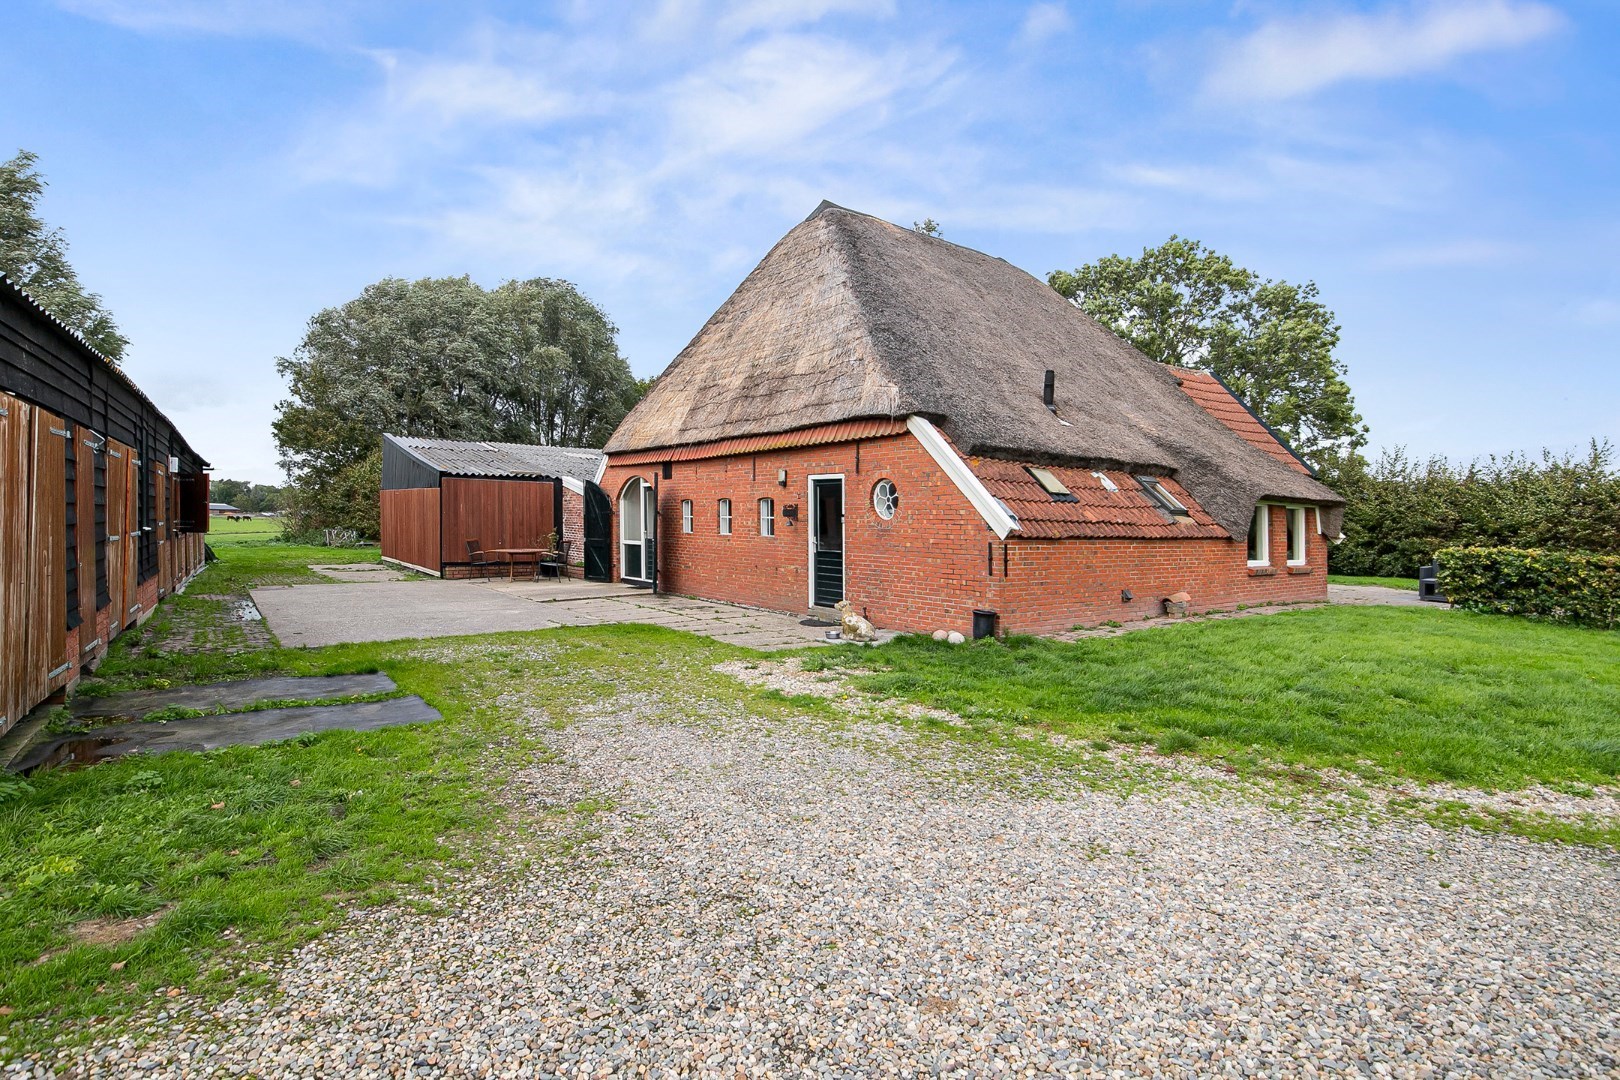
[1043, 22]
[1297, 57]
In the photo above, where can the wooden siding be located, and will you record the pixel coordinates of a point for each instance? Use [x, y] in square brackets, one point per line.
[410, 527]
[33, 557]
[496, 513]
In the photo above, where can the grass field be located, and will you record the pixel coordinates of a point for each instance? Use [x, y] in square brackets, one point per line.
[1485, 701]
[1409, 584]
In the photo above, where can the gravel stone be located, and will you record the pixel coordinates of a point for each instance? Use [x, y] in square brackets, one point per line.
[807, 897]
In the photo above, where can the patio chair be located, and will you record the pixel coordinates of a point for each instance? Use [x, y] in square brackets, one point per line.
[557, 561]
[481, 563]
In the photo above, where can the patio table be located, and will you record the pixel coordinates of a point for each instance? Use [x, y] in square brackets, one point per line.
[528, 555]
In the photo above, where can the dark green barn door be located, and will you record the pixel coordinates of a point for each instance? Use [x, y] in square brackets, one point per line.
[598, 534]
[827, 540]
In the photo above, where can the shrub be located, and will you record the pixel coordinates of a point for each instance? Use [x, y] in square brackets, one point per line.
[1401, 511]
[1560, 586]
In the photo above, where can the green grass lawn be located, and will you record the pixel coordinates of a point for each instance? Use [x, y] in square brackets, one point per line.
[1409, 584]
[1432, 695]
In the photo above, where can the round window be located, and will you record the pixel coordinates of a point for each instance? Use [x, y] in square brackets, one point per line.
[885, 499]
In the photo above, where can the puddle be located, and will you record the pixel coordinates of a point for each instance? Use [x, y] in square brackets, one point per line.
[246, 611]
[75, 754]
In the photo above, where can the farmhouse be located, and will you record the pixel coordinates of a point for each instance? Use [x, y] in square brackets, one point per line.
[929, 432]
[445, 500]
[103, 505]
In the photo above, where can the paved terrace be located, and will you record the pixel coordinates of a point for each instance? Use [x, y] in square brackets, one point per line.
[315, 615]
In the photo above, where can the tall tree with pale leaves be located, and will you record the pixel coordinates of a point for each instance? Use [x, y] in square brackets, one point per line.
[35, 257]
[1272, 342]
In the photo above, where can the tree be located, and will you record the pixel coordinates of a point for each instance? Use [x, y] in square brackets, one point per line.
[1270, 341]
[246, 495]
[928, 227]
[529, 362]
[35, 257]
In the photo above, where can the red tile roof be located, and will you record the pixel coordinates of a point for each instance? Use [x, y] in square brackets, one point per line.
[1098, 513]
[844, 431]
[1220, 403]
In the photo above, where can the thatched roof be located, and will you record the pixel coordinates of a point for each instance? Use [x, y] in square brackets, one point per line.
[849, 316]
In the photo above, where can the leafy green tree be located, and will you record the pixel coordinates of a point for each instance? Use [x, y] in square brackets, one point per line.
[928, 227]
[1270, 341]
[246, 495]
[35, 257]
[529, 362]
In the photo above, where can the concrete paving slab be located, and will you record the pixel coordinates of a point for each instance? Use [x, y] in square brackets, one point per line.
[230, 729]
[234, 695]
[359, 571]
[316, 615]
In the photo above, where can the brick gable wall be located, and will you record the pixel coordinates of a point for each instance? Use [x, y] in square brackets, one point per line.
[936, 561]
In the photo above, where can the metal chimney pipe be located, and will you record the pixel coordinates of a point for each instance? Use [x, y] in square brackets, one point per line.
[1048, 388]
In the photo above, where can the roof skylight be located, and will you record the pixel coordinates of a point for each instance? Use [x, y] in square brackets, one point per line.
[1165, 501]
[1051, 484]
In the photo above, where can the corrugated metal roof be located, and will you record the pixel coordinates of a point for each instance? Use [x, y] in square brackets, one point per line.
[1096, 513]
[844, 431]
[494, 459]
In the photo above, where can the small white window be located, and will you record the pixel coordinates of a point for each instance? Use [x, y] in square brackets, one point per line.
[1296, 536]
[725, 517]
[885, 499]
[1260, 537]
[767, 517]
[686, 515]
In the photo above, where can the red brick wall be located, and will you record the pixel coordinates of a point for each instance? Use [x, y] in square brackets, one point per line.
[930, 566]
[573, 529]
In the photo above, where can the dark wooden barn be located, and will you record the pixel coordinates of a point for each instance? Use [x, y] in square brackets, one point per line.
[102, 505]
[439, 494]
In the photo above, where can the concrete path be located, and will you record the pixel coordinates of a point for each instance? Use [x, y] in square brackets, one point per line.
[234, 695]
[359, 571]
[317, 615]
[1377, 594]
[231, 729]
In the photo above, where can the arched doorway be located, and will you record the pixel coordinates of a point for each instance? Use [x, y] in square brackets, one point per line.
[637, 532]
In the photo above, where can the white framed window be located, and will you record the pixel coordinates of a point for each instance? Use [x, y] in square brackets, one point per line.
[767, 517]
[725, 517]
[686, 515]
[885, 499]
[1260, 536]
[1296, 536]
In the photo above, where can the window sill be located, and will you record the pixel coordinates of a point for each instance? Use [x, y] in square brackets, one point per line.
[1262, 571]
[1302, 569]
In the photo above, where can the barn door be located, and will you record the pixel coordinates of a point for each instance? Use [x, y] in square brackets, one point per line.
[598, 534]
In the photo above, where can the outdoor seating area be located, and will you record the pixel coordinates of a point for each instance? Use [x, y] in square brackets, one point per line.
[548, 557]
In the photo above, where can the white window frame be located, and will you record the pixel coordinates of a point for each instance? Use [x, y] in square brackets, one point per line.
[686, 515]
[1263, 518]
[1296, 525]
[767, 517]
[724, 513]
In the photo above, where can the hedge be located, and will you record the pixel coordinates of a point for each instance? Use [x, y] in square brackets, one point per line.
[1560, 586]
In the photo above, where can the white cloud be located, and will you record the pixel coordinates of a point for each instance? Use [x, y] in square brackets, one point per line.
[1296, 57]
[782, 14]
[780, 92]
[1044, 21]
[242, 18]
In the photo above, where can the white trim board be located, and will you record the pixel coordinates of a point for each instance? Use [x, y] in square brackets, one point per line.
[996, 515]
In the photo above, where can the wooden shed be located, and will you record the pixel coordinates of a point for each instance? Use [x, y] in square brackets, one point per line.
[103, 505]
[438, 494]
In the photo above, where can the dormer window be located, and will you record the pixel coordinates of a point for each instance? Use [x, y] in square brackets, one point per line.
[1051, 484]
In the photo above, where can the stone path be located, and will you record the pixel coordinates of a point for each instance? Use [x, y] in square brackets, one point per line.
[203, 733]
[234, 695]
[1378, 594]
[316, 615]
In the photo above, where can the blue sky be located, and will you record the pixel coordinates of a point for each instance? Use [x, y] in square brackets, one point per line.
[1446, 170]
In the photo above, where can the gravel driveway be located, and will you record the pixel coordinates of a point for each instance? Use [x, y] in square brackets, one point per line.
[795, 897]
